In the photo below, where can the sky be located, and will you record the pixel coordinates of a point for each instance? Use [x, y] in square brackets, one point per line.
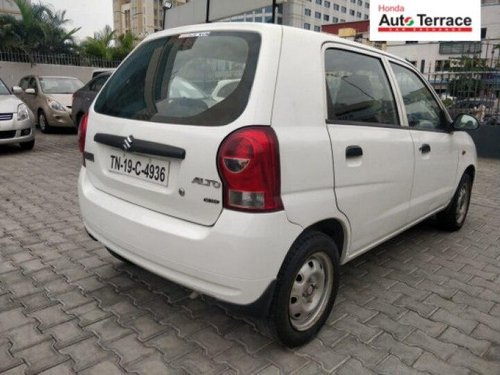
[90, 15]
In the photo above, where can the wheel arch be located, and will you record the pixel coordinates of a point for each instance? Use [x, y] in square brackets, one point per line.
[336, 230]
[471, 171]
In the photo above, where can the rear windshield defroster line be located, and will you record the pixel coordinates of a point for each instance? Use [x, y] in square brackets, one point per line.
[170, 80]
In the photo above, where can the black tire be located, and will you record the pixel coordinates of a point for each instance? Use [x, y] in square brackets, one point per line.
[453, 216]
[286, 319]
[42, 122]
[27, 145]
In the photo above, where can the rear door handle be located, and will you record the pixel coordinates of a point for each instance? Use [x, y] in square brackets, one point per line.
[353, 151]
[425, 148]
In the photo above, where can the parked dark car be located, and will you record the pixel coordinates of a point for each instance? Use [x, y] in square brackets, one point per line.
[82, 99]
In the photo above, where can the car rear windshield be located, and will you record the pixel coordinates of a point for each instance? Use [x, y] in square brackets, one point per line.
[172, 79]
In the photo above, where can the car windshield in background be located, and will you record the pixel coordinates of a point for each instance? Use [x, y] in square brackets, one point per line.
[3, 89]
[171, 79]
[58, 85]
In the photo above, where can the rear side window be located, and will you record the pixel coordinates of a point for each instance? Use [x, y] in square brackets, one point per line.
[171, 80]
[358, 90]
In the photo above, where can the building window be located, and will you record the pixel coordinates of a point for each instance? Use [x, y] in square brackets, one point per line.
[342, 20]
[360, 2]
[307, 26]
[411, 42]
[319, 2]
[442, 65]
[352, 12]
[335, 19]
[366, 16]
[317, 28]
[483, 32]
[367, 5]
[459, 48]
[326, 17]
[343, 10]
[358, 14]
[327, 4]
[307, 12]
[353, 1]
[317, 15]
[336, 7]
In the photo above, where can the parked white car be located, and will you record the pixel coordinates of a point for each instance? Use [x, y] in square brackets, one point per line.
[16, 120]
[325, 149]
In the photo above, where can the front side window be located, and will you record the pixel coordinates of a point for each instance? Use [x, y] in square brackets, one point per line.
[171, 79]
[358, 90]
[422, 110]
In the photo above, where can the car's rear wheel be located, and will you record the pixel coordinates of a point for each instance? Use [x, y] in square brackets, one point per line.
[27, 145]
[453, 216]
[42, 122]
[306, 288]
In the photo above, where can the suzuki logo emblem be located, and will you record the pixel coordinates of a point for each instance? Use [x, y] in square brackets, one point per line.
[127, 143]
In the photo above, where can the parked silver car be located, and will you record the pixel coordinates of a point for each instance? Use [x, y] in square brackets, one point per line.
[16, 120]
[49, 98]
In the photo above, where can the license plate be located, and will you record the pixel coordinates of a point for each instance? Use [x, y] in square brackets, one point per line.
[143, 168]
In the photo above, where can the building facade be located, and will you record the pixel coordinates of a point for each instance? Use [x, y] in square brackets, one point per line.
[10, 8]
[140, 17]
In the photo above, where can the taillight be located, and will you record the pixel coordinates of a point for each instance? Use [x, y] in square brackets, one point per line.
[82, 134]
[249, 167]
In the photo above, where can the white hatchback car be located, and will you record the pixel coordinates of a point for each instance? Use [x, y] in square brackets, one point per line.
[325, 149]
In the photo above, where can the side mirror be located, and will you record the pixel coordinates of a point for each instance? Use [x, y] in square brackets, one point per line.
[30, 91]
[465, 122]
[17, 90]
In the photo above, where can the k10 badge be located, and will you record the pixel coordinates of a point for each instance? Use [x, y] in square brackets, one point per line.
[425, 20]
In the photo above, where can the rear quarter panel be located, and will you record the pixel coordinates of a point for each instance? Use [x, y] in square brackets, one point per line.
[299, 114]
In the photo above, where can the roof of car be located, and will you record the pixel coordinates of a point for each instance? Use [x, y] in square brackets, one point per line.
[302, 34]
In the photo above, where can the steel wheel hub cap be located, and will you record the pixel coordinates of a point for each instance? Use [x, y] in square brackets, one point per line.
[311, 291]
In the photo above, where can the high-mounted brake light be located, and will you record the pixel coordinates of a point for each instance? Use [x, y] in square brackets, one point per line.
[249, 167]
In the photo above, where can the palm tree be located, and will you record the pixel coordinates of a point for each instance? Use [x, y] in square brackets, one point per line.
[40, 29]
[100, 45]
[125, 43]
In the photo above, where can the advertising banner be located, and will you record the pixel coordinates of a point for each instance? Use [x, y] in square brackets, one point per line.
[425, 20]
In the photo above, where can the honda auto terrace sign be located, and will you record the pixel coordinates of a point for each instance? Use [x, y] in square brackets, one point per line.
[425, 20]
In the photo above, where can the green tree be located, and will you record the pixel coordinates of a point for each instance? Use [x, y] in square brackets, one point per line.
[39, 29]
[100, 45]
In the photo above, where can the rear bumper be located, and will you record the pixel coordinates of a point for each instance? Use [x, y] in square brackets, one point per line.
[235, 261]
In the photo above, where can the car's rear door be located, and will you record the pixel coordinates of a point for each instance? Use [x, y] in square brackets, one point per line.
[155, 131]
[372, 153]
[435, 147]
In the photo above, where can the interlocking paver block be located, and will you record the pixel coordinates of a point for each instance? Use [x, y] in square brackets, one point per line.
[108, 329]
[25, 336]
[329, 360]
[67, 334]
[429, 363]
[12, 319]
[50, 317]
[41, 357]
[353, 366]
[392, 365]
[86, 353]
[407, 354]
[464, 325]
[7, 361]
[129, 349]
[396, 329]
[251, 340]
[153, 365]
[369, 356]
[197, 363]
[146, 327]
[364, 332]
[237, 358]
[440, 349]
[171, 346]
[88, 314]
[210, 341]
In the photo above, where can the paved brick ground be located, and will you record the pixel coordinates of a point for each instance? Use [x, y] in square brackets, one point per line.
[426, 302]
